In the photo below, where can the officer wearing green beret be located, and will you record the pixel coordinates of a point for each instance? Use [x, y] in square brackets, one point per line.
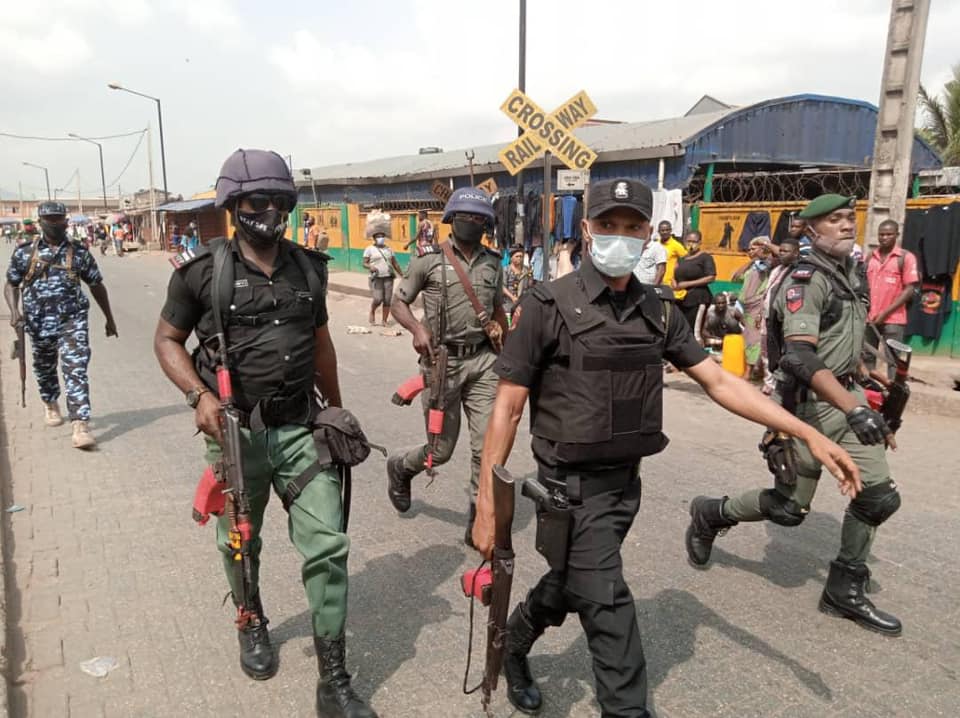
[816, 329]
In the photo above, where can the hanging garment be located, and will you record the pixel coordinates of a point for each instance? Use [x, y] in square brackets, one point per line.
[757, 224]
[926, 317]
[782, 230]
[668, 207]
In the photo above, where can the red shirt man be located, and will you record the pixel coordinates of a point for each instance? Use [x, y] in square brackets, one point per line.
[892, 275]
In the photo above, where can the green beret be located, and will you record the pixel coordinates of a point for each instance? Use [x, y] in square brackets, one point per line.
[825, 204]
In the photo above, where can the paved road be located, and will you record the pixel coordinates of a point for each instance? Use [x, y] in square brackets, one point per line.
[105, 561]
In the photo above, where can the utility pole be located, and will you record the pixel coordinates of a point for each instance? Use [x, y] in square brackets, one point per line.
[20, 193]
[153, 197]
[893, 148]
[79, 196]
[522, 86]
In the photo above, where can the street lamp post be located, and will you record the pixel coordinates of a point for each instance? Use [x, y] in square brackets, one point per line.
[103, 179]
[163, 155]
[46, 175]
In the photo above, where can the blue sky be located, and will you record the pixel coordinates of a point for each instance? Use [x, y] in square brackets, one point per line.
[329, 82]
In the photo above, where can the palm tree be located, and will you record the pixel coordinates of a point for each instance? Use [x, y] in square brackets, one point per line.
[941, 122]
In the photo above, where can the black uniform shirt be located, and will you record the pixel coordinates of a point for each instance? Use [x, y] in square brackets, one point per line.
[268, 359]
[538, 337]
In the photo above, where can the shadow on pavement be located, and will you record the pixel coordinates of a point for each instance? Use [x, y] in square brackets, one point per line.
[120, 422]
[392, 600]
[792, 557]
[668, 625]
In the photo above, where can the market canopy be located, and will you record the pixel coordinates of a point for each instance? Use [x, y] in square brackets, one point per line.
[186, 205]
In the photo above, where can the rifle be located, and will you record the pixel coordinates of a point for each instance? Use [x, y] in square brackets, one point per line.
[898, 391]
[492, 586]
[20, 352]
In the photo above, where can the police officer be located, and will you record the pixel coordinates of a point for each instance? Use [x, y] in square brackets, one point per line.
[818, 323]
[588, 350]
[48, 271]
[470, 380]
[281, 352]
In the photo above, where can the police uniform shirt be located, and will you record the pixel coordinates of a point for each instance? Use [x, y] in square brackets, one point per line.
[806, 294]
[52, 291]
[538, 338]
[271, 359]
[425, 274]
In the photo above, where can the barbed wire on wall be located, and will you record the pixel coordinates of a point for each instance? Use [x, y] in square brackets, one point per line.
[780, 186]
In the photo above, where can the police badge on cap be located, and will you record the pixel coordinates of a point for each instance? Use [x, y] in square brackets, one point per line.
[628, 193]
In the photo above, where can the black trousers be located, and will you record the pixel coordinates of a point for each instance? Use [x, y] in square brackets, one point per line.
[592, 586]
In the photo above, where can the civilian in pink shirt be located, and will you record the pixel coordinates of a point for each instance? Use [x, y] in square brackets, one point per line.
[893, 278]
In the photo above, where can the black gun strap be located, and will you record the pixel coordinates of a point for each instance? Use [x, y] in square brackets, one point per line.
[222, 286]
[297, 485]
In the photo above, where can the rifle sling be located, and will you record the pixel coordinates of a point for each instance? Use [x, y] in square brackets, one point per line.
[465, 281]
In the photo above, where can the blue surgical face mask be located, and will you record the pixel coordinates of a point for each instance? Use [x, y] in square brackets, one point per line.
[761, 264]
[615, 255]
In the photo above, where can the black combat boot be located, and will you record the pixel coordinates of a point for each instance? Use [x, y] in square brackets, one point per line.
[257, 657]
[398, 484]
[471, 517]
[706, 523]
[843, 597]
[335, 696]
[522, 691]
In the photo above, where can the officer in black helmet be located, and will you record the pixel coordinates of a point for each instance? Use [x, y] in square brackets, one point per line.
[47, 272]
[588, 350]
[280, 354]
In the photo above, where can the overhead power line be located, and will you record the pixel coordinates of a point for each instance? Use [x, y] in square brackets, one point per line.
[68, 139]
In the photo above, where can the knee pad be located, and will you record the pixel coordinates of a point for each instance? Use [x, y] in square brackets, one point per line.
[875, 504]
[783, 511]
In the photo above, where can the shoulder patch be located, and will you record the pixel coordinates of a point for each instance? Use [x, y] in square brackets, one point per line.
[664, 292]
[496, 253]
[795, 298]
[803, 273]
[427, 249]
[179, 261]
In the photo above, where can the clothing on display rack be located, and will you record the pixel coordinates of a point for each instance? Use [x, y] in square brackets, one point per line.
[668, 207]
[757, 224]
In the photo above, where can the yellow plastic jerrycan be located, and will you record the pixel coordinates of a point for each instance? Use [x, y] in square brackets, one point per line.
[734, 354]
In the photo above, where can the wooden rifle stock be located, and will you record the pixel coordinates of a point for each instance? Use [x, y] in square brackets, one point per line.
[502, 564]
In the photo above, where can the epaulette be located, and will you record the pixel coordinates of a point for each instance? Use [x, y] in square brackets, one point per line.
[542, 293]
[188, 256]
[495, 252]
[664, 293]
[426, 249]
[803, 272]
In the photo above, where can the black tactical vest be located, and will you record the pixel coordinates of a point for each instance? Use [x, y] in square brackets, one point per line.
[603, 404]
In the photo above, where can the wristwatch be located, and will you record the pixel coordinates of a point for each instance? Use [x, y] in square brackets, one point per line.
[193, 396]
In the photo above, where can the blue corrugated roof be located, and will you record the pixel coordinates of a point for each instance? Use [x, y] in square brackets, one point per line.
[187, 205]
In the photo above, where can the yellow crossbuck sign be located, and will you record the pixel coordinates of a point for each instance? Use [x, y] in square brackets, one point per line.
[544, 131]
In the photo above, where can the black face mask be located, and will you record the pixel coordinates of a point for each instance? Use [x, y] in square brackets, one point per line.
[467, 231]
[53, 231]
[261, 228]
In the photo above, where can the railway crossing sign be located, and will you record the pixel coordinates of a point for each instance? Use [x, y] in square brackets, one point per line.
[547, 132]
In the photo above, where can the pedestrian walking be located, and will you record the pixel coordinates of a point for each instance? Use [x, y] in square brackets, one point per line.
[281, 354]
[462, 285]
[46, 274]
[893, 279]
[378, 259]
[816, 333]
[586, 351]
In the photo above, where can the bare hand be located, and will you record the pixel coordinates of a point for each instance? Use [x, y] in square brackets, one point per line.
[15, 319]
[837, 462]
[483, 527]
[111, 328]
[423, 341]
[207, 416]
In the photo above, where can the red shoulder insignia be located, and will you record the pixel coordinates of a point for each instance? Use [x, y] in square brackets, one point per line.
[795, 298]
[803, 273]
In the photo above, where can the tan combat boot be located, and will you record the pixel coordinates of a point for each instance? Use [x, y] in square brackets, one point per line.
[51, 414]
[82, 438]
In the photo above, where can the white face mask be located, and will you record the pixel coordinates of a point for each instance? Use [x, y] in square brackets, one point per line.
[615, 255]
[380, 240]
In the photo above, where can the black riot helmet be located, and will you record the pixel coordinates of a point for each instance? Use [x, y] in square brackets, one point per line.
[48, 209]
[247, 171]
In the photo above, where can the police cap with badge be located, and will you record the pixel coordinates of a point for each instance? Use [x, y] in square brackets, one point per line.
[622, 193]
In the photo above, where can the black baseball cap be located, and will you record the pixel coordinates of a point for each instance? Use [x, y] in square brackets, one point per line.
[610, 194]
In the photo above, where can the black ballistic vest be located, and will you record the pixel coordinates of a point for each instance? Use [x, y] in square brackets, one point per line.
[602, 402]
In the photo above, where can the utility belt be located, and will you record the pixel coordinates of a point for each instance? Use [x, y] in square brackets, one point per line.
[794, 394]
[465, 351]
[578, 486]
[298, 409]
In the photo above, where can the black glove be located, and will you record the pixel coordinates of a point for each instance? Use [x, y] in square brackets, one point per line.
[869, 426]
